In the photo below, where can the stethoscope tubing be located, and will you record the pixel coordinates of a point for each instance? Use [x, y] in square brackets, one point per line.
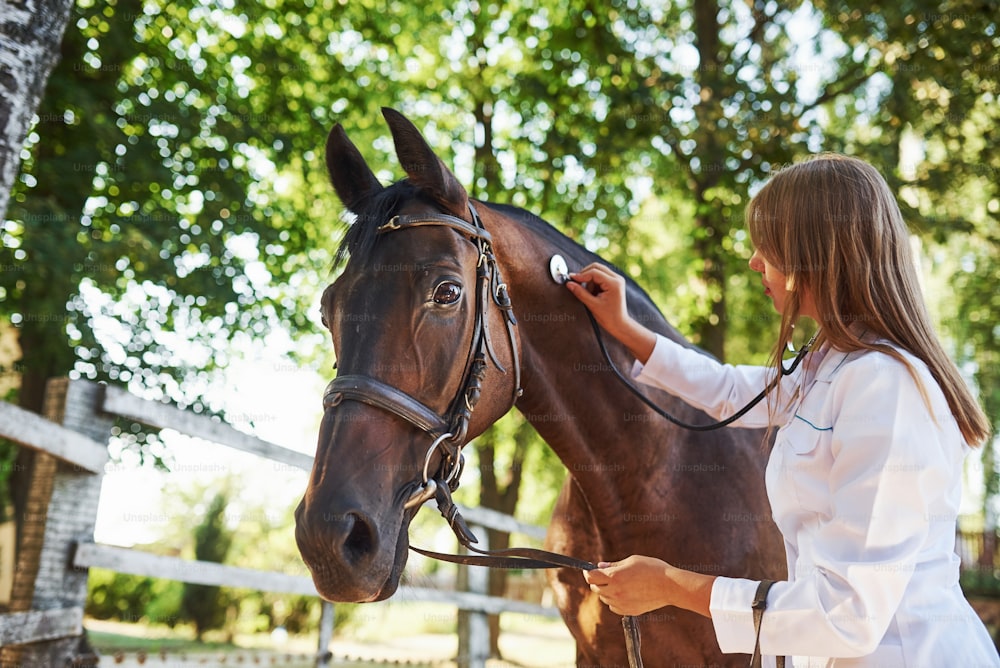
[680, 423]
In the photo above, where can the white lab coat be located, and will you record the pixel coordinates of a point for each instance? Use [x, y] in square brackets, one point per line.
[864, 483]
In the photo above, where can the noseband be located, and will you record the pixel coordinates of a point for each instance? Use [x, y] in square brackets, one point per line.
[448, 433]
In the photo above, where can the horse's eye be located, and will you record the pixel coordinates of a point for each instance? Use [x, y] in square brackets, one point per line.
[447, 293]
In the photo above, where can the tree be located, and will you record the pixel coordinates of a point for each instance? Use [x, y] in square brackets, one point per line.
[206, 605]
[151, 179]
[29, 48]
[501, 455]
[147, 238]
[174, 185]
[928, 120]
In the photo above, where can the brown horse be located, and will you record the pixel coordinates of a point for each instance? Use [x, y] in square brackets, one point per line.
[431, 351]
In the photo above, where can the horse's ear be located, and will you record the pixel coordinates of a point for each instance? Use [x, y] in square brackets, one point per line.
[424, 168]
[351, 177]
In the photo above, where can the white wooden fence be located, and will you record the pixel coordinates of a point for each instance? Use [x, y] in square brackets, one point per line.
[72, 436]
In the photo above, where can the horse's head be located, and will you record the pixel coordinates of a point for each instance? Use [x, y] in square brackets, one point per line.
[421, 323]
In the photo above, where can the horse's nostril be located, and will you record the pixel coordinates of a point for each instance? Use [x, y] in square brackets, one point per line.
[360, 541]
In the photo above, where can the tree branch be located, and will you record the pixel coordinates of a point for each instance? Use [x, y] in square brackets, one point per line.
[830, 92]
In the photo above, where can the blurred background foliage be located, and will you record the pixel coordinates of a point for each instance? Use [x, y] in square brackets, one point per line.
[173, 187]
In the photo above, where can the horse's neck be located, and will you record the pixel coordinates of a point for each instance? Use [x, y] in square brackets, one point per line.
[604, 438]
[611, 445]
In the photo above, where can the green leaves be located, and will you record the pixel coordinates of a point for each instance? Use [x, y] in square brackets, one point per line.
[174, 185]
[157, 178]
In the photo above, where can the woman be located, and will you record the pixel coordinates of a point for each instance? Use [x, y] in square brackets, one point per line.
[864, 477]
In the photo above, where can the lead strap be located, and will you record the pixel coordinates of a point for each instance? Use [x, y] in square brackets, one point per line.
[759, 605]
[633, 645]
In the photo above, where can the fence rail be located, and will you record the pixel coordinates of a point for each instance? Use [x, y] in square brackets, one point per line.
[47, 614]
[34, 431]
[57, 543]
[145, 564]
[39, 625]
[165, 416]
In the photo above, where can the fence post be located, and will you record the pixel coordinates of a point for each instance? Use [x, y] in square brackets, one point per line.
[474, 635]
[67, 513]
[326, 618]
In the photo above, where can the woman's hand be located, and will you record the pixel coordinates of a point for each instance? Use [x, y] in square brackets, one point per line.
[638, 584]
[603, 292]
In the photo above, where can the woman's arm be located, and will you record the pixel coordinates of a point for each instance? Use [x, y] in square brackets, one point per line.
[718, 389]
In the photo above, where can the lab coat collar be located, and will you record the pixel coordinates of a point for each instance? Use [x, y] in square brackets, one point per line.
[833, 359]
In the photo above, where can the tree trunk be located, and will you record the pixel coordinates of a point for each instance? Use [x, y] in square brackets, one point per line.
[30, 34]
[711, 227]
[712, 328]
[503, 499]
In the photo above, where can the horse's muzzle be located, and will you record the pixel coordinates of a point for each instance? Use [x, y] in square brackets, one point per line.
[345, 555]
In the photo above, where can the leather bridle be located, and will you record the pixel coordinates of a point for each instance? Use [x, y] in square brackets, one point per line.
[447, 433]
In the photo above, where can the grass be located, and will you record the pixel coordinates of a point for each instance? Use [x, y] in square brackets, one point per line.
[117, 640]
[411, 634]
[108, 642]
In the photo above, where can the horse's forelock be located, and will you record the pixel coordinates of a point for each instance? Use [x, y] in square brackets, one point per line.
[362, 229]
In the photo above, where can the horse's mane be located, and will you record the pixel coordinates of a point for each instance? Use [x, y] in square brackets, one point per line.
[361, 235]
[537, 224]
[565, 244]
[369, 214]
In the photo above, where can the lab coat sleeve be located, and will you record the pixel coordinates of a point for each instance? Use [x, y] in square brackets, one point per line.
[886, 460]
[718, 389]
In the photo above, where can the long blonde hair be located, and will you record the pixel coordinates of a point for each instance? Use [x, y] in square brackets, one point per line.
[833, 227]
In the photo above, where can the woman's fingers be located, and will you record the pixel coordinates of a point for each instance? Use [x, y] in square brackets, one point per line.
[632, 586]
[597, 277]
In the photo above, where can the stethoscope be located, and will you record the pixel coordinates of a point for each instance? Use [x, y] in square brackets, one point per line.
[559, 272]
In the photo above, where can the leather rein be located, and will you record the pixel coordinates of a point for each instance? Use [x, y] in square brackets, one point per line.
[448, 433]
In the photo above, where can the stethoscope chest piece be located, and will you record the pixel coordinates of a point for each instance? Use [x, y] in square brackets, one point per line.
[558, 269]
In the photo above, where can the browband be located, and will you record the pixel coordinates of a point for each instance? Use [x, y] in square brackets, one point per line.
[435, 220]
